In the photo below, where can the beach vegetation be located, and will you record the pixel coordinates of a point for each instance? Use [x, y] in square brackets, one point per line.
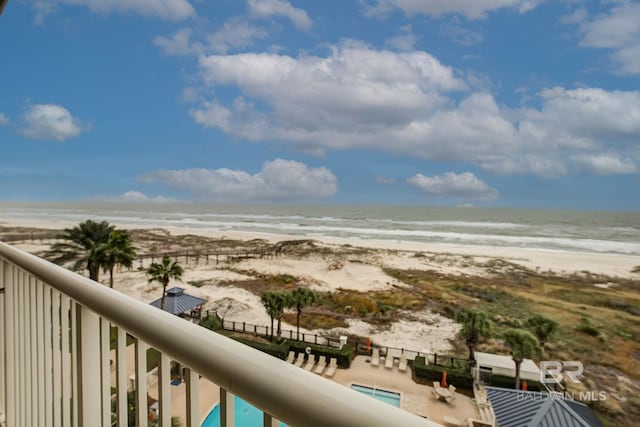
[163, 272]
[299, 299]
[79, 246]
[274, 303]
[543, 327]
[118, 250]
[475, 326]
[523, 346]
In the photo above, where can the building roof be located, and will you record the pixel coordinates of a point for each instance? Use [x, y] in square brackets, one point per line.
[515, 408]
[490, 360]
[177, 302]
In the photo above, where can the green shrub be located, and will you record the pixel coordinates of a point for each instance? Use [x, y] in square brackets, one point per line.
[274, 349]
[211, 322]
[461, 378]
[510, 382]
[344, 355]
[586, 326]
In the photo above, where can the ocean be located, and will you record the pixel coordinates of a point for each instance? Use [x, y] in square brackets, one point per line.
[572, 231]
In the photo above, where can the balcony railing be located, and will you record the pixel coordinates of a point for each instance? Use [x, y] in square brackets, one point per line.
[55, 361]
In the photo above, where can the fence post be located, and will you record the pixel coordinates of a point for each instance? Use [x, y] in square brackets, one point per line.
[243, 325]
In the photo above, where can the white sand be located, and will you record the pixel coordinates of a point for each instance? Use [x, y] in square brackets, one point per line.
[417, 330]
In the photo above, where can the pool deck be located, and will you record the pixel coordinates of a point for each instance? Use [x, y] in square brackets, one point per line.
[415, 398]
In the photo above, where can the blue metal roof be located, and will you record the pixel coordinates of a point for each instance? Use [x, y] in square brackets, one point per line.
[177, 302]
[515, 408]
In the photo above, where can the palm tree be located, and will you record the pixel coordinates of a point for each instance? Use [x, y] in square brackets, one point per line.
[523, 346]
[117, 251]
[543, 327]
[475, 324]
[299, 299]
[163, 272]
[274, 303]
[80, 246]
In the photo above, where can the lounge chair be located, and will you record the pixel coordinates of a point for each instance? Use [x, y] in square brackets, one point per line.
[292, 357]
[375, 357]
[299, 360]
[310, 362]
[331, 369]
[322, 363]
[388, 361]
[402, 365]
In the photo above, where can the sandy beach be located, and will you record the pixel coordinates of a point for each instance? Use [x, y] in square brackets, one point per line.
[418, 330]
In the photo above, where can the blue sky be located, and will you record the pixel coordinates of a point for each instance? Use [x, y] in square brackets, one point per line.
[523, 103]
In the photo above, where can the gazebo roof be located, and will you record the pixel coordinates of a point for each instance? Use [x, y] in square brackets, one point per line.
[177, 302]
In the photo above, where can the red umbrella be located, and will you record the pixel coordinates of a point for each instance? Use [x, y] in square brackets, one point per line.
[443, 381]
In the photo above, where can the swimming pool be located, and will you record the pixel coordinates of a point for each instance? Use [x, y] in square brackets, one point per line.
[247, 415]
[385, 396]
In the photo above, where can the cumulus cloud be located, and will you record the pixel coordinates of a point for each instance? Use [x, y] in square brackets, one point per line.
[235, 33]
[460, 186]
[279, 180]
[619, 32]
[171, 10]
[50, 121]
[269, 8]
[460, 34]
[404, 39]
[133, 197]
[471, 9]
[605, 165]
[3, 119]
[178, 43]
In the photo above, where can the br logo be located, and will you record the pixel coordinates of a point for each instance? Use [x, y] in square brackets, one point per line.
[551, 371]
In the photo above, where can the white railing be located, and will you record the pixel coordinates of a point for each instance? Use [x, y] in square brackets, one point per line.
[55, 361]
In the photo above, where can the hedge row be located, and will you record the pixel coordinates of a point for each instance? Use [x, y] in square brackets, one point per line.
[344, 355]
[274, 349]
[509, 382]
[458, 377]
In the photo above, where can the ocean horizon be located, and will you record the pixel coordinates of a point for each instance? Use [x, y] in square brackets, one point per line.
[560, 230]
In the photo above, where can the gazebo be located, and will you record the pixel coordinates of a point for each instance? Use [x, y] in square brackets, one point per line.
[178, 303]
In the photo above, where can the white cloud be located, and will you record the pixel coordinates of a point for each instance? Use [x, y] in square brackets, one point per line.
[462, 186]
[459, 34]
[3, 119]
[618, 31]
[178, 43]
[50, 121]
[279, 180]
[471, 9]
[133, 197]
[171, 10]
[268, 8]
[404, 39]
[235, 33]
[357, 97]
[605, 165]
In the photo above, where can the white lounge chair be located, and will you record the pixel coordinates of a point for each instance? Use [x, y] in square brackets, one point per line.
[322, 363]
[375, 357]
[299, 360]
[402, 365]
[310, 362]
[331, 369]
[388, 361]
[292, 357]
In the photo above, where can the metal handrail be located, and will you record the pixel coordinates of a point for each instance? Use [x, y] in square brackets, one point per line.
[297, 397]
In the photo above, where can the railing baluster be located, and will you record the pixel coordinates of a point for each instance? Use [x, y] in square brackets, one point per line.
[22, 349]
[269, 421]
[10, 304]
[39, 309]
[121, 377]
[2, 344]
[142, 415]
[48, 357]
[33, 355]
[57, 360]
[105, 352]
[227, 411]
[88, 359]
[75, 393]
[193, 398]
[65, 307]
[164, 391]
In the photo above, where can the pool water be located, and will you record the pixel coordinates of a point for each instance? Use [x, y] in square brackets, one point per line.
[247, 415]
[382, 395]
[250, 416]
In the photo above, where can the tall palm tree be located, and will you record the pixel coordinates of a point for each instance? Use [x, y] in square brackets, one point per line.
[299, 299]
[117, 251]
[80, 246]
[543, 327]
[274, 303]
[475, 325]
[163, 272]
[523, 346]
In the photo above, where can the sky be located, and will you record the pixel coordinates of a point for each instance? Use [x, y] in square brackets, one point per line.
[515, 103]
